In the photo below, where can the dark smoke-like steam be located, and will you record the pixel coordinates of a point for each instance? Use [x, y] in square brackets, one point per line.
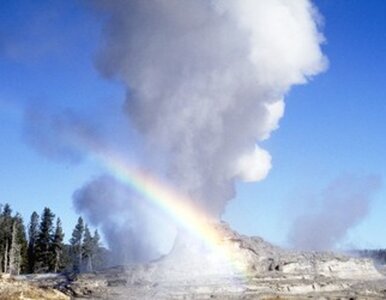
[344, 203]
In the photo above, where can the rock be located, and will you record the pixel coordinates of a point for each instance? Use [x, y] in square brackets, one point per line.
[241, 267]
[14, 289]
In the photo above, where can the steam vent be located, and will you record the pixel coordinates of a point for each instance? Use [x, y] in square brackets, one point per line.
[250, 269]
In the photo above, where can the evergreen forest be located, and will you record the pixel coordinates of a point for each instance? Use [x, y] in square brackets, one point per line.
[39, 246]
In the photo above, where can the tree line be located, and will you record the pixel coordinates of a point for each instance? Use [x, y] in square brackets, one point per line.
[41, 248]
[378, 255]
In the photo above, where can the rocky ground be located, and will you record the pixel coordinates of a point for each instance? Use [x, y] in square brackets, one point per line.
[259, 270]
[15, 289]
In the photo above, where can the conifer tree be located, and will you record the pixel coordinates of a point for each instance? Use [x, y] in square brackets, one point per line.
[2, 240]
[44, 253]
[76, 245]
[45, 250]
[33, 232]
[14, 253]
[88, 250]
[58, 246]
[98, 259]
[96, 239]
[21, 244]
[6, 223]
[12, 242]
[7, 211]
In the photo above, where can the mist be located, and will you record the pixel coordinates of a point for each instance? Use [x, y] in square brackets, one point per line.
[134, 230]
[344, 203]
[205, 84]
[54, 133]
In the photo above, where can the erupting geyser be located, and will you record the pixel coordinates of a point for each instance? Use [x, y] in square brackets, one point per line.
[205, 84]
[206, 80]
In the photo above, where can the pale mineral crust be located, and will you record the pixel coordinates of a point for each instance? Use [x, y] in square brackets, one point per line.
[21, 289]
[258, 270]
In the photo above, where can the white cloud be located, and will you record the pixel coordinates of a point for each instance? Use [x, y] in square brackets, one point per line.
[253, 166]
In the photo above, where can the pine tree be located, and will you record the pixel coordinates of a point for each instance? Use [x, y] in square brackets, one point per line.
[67, 258]
[33, 232]
[2, 241]
[96, 239]
[88, 250]
[14, 253]
[58, 246]
[12, 242]
[44, 254]
[21, 242]
[98, 257]
[76, 245]
[7, 211]
[6, 223]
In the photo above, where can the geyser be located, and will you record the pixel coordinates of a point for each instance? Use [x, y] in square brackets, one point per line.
[205, 84]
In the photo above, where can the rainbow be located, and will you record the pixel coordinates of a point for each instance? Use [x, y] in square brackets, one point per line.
[176, 205]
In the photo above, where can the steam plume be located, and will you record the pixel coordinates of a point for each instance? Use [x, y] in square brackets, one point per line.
[206, 79]
[344, 203]
[52, 134]
[134, 230]
[205, 82]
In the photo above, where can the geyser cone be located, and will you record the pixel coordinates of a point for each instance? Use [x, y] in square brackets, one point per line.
[229, 255]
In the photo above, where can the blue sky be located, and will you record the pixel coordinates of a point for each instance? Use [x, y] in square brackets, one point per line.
[332, 126]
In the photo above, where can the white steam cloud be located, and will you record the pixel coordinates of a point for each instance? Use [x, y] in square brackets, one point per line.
[134, 230]
[253, 166]
[343, 204]
[206, 81]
